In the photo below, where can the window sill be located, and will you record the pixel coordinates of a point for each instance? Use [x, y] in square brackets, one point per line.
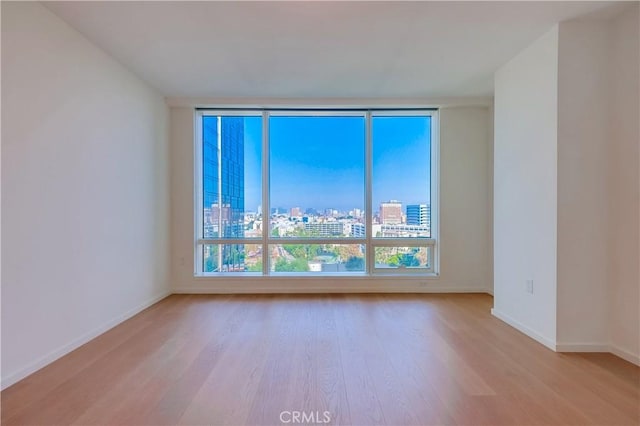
[409, 275]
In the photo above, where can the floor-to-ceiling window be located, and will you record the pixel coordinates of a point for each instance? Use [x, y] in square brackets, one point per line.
[320, 192]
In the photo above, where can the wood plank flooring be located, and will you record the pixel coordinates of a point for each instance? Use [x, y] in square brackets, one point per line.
[362, 359]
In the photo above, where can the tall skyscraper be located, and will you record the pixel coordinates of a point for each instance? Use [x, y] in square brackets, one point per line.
[223, 179]
[391, 212]
[418, 214]
[223, 172]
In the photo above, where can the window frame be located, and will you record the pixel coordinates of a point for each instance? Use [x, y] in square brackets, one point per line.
[432, 243]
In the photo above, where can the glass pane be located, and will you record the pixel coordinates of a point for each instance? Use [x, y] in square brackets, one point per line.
[401, 176]
[317, 176]
[232, 258]
[316, 258]
[232, 176]
[403, 257]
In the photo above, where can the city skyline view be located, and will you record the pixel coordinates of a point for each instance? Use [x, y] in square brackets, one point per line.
[316, 189]
[318, 162]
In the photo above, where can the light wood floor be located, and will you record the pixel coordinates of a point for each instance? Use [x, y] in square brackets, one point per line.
[366, 360]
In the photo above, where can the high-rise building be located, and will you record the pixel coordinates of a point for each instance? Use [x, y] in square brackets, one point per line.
[295, 212]
[223, 182]
[358, 230]
[391, 212]
[324, 229]
[419, 214]
[223, 179]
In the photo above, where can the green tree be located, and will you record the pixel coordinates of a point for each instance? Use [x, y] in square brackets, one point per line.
[407, 260]
[296, 250]
[355, 264]
[211, 259]
[255, 268]
[234, 255]
[211, 263]
[393, 260]
[296, 265]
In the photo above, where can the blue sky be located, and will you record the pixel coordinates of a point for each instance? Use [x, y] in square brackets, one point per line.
[318, 161]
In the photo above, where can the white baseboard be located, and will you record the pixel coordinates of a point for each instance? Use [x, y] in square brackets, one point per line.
[582, 347]
[624, 354]
[565, 346]
[599, 347]
[76, 343]
[524, 329]
[232, 289]
[325, 284]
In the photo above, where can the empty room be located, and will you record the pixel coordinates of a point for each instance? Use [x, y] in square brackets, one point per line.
[320, 213]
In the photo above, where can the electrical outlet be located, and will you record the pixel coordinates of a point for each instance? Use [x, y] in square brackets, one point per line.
[530, 286]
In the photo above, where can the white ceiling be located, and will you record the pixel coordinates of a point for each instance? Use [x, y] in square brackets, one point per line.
[317, 49]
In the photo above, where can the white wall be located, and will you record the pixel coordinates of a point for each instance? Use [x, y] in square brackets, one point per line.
[525, 189]
[465, 197]
[583, 141]
[596, 99]
[490, 181]
[84, 190]
[465, 261]
[624, 185]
